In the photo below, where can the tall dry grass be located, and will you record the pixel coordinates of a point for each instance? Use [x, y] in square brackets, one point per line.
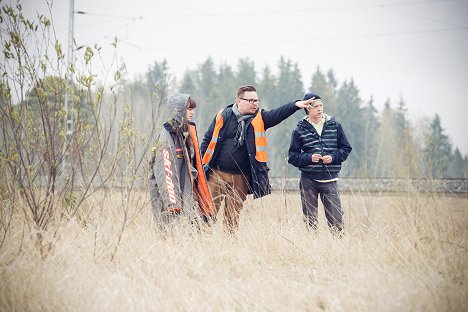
[400, 252]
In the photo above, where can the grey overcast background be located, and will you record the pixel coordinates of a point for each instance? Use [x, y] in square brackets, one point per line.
[414, 48]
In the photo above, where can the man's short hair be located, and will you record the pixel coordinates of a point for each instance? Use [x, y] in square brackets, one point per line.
[241, 90]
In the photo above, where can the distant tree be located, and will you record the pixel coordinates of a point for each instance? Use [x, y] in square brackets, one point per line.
[325, 86]
[465, 166]
[386, 143]
[297, 86]
[44, 105]
[267, 88]
[331, 79]
[139, 86]
[246, 74]
[349, 114]
[289, 82]
[226, 86]
[370, 127]
[207, 78]
[206, 81]
[138, 102]
[188, 85]
[437, 149]
[158, 79]
[290, 88]
[50, 91]
[401, 121]
[395, 153]
[456, 167]
[411, 166]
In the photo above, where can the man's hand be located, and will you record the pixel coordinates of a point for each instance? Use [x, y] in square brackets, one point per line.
[316, 158]
[304, 104]
[327, 159]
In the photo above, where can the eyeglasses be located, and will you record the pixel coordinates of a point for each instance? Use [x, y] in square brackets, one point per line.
[251, 101]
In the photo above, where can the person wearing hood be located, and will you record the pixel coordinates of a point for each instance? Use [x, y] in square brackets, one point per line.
[234, 151]
[178, 186]
[318, 147]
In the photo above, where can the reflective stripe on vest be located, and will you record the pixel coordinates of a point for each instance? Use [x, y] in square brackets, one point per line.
[214, 138]
[260, 138]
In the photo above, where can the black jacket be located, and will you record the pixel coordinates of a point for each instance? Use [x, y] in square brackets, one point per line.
[305, 141]
[259, 183]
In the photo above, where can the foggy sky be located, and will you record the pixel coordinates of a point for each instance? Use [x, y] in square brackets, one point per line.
[415, 48]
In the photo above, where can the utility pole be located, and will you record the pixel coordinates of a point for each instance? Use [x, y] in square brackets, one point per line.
[69, 83]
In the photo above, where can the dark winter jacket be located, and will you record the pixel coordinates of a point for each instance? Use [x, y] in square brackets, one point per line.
[305, 141]
[259, 183]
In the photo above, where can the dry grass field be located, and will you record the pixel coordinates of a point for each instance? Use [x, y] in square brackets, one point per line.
[405, 252]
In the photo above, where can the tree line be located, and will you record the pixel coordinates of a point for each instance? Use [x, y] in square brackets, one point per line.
[386, 143]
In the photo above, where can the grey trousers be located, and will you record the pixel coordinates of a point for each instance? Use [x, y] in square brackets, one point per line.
[330, 198]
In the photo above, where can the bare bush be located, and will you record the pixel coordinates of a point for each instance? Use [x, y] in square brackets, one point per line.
[50, 168]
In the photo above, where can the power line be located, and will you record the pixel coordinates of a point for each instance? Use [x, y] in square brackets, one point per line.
[282, 12]
[100, 22]
[129, 21]
[424, 17]
[105, 15]
[392, 6]
[302, 11]
[231, 44]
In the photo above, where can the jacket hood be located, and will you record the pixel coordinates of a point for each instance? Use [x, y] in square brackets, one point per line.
[176, 107]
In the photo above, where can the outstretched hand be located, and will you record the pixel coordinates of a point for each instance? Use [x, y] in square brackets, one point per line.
[304, 104]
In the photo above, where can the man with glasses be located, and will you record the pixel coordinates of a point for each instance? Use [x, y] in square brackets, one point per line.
[318, 147]
[234, 151]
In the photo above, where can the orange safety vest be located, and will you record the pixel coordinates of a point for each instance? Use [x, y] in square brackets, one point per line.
[201, 189]
[260, 138]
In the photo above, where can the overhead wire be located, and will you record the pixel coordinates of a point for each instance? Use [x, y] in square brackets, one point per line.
[251, 43]
[108, 35]
[340, 8]
[425, 17]
[389, 6]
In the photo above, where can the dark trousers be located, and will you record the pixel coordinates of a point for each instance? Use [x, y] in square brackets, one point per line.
[330, 198]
